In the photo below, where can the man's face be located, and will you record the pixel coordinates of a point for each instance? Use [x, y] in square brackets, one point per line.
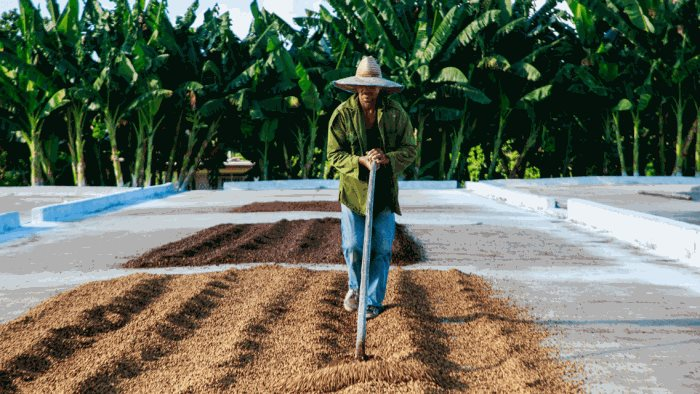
[368, 94]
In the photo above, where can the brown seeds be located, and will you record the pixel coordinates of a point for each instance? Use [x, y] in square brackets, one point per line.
[315, 241]
[273, 329]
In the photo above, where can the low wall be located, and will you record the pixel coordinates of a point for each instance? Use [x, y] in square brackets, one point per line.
[75, 210]
[9, 221]
[512, 197]
[664, 237]
[314, 184]
[601, 180]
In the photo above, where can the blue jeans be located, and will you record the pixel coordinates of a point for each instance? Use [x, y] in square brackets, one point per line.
[352, 227]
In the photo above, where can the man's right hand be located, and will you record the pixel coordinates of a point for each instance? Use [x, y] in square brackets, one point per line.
[376, 155]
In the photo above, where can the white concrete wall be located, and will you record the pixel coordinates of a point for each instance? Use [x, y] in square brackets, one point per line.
[512, 197]
[9, 221]
[75, 210]
[313, 184]
[662, 236]
[601, 180]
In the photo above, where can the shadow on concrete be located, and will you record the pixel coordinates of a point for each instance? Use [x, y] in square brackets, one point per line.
[22, 232]
[628, 349]
[695, 193]
[639, 322]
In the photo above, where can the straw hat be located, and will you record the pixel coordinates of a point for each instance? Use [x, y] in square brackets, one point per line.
[368, 74]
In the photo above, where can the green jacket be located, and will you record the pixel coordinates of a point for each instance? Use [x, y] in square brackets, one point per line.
[347, 142]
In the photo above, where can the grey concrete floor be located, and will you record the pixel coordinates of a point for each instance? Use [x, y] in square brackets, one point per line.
[631, 320]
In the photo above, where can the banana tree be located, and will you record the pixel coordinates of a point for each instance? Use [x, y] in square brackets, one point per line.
[75, 122]
[112, 103]
[147, 107]
[267, 136]
[451, 82]
[682, 70]
[312, 103]
[643, 97]
[407, 38]
[147, 62]
[655, 31]
[623, 105]
[30, 94]
[697, 138]
[68, 53]
[115, 82]
[267, 88]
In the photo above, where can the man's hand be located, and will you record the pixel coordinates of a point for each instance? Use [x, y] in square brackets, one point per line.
[376, 155]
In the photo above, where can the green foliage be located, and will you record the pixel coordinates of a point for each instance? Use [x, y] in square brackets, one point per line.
[107, 88]
[476, 163]
[532, 173]
[649, 169]
[11, 176]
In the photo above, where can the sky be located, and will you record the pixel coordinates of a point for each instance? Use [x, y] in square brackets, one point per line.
[238, 9]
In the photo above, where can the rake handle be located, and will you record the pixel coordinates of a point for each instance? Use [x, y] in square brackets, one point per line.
[366, 253]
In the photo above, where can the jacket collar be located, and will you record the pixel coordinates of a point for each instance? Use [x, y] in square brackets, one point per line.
[359, 120]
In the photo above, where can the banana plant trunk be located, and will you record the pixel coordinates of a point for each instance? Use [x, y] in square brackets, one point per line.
[458, 140]
[618, 142]
[662, 144]
[635, 148]
[80, 165]
[697, 146]
[497, 142]
[211, 133]
[443, 158]
[567, 155]
[140, 159]
[78, 162]
[35, 163]
[171, 157]
[531, 140]
[149, 162]
[697, 140]
[264, 159]
[419, 141]
[679, 110]
[118, 176]
[191, 141]
[111, 123]
[607, 139]
[47, 167]
[311, 147]
[75, 122]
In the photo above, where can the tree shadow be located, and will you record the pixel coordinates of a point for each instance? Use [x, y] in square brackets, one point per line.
[63, 342]
[430, 340]
[177, 326]
[255, 332]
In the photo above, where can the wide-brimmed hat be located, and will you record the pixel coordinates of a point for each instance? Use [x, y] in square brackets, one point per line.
[368, 73]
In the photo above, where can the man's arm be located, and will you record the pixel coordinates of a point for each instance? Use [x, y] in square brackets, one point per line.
[338, 150]
[405, 152]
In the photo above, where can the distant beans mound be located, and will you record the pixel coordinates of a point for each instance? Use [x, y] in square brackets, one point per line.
[315, 241]
[281, 206]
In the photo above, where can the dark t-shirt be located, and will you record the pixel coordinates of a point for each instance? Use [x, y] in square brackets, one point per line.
[382, 182]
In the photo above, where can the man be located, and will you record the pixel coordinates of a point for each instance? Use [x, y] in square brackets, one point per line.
[369, 127]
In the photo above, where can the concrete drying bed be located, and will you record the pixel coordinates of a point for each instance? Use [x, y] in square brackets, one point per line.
[628, 318]
[273, 329]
